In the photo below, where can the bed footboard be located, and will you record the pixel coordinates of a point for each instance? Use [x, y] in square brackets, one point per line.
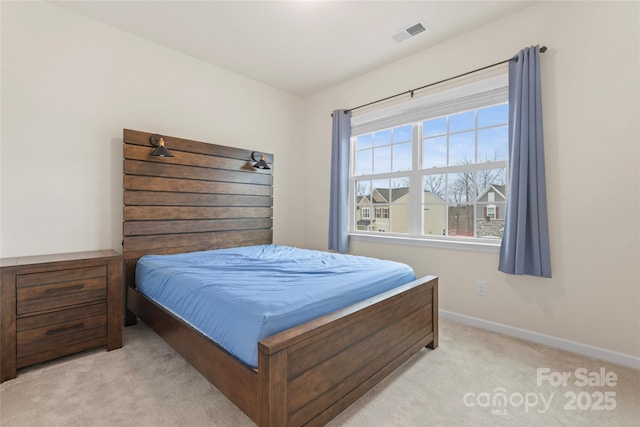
[310, 373]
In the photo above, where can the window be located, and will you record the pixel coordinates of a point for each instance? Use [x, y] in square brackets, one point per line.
[435, 171]
[491, 212]
[382, 212]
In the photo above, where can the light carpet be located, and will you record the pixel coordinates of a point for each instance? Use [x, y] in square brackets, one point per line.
[475, 378]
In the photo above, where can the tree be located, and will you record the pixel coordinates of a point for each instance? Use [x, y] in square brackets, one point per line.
[363, 189]
[435, 185]
[468, 184]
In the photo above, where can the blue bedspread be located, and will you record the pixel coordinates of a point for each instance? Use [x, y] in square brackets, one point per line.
[240, 295]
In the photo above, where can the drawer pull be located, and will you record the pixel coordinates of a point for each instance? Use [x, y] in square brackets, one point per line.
[69, 328]
[67, 288]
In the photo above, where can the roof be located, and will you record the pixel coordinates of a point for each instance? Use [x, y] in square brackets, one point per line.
[396, 193]
[500, 189]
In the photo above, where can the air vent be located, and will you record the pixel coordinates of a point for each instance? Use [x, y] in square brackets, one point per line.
[408, 32]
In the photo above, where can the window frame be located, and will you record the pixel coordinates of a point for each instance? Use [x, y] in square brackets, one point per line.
[416, 177]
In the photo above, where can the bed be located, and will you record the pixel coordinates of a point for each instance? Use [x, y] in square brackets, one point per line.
[209, 197]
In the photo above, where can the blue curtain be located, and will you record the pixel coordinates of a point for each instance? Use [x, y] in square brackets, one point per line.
[525, 243]
[339, 196]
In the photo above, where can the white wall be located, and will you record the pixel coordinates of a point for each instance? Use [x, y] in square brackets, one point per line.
[70, 84]
[590, 78]
[69, 87]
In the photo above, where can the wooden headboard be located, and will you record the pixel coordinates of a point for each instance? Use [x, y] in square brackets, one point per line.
[206, 197]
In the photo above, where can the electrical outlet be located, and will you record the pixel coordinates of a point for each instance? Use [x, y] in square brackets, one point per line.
[481, 288]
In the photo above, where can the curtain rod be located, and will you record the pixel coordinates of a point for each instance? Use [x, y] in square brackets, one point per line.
[543, 49]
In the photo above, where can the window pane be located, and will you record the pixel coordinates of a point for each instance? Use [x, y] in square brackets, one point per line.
[490, 220]
[493, 144]
[435, 217]
[434, 152]
[491, 181]
[496, 115]
[364, 162]
[380, 191]
[362, 214]
[460, 221]
[491, 203]
[382, 159]
[363, 191]
[461, 187]
[399, 208]
[434, 127]
[399, 218]
[364, 141]
[363, 218]
[382, 137]
[434, 185]
[402, 181]
[402, 133]
[462, 121]
[402, 157]
[462, 149]
[400, 190]
[380, 221]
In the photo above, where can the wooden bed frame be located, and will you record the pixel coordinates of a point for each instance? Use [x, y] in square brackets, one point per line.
[307, 374]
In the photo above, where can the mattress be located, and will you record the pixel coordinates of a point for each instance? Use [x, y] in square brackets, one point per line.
[238, 296]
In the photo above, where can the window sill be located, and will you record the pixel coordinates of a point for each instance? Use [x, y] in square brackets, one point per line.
[427, 242]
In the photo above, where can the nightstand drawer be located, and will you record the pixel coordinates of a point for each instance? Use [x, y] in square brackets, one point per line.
[56, 289]
[38, 334]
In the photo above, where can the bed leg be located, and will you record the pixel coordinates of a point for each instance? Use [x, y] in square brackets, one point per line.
[434, 304]
[130, 319]
[272, 389]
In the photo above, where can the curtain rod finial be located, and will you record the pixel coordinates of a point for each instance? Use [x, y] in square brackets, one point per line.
[543, 49]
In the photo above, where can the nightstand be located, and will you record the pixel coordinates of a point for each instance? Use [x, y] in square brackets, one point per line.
[56, 305]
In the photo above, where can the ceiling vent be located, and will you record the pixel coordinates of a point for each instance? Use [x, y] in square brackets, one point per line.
[408, 32]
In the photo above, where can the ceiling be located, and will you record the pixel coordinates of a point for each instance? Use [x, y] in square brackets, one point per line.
[300, 47]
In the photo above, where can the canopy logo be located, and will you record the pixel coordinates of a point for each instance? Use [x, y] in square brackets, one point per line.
[596, 399]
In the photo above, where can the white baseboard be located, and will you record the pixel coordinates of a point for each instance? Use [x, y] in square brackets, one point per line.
[572, 346]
